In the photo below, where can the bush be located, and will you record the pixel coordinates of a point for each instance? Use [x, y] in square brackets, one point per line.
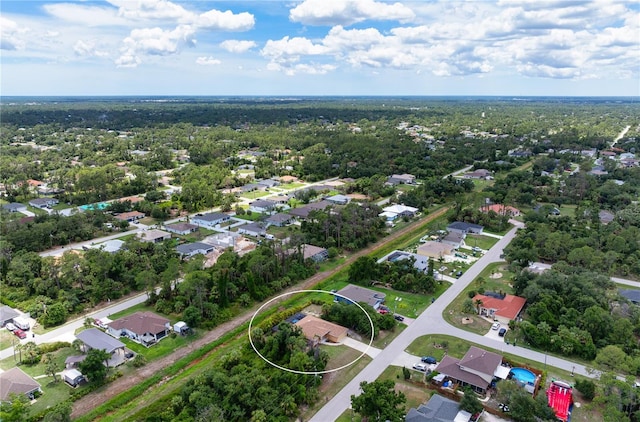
[471, 294]
[587, 388]
[52, 347]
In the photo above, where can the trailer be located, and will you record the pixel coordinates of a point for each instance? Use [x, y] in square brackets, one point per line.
[22, 323]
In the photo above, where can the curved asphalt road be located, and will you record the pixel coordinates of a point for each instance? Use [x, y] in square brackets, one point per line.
[431, 322]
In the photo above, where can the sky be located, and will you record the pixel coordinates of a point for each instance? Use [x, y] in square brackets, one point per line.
[320, 47]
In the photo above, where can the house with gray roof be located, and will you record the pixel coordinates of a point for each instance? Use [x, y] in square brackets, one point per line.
[262, 206]
[195, 248]
[210, 220]
[315, 253]
[7, 314]
[253, 229]
[43, 202]
[353, 293]
[303, 212]
[339, 199]
[438, 409]
[476, 369]
[420, 262]
[16, 381]
[153, 236]
[464, 227]
[632, 295]
[94, 338]
[181, 228]
[279, 220]
[14, 207]
[145, 328]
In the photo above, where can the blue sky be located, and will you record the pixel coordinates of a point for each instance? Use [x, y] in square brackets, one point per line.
[320, 47]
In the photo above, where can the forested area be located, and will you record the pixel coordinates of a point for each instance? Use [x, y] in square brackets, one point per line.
[398, 275]
[243, 387]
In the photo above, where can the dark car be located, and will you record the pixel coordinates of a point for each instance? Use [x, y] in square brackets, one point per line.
[429, 359]
[502, 332]
[399, 318]
[458, 274]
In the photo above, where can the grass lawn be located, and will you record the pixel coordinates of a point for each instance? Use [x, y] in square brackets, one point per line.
[288, 186]
[198, 235]
[163, 347]
[255, 194]
[480, 185]
[252, 216]
[495, 278]
[483, 242]
[36, 211]
[62, 206]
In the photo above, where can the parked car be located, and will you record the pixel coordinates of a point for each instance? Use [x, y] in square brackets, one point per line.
[458, 274]
[10, 326]
[420, 367]
[398, 317]
[502, 332]
[476, 249]
[21, 334]
[429, 359]
[495, 326]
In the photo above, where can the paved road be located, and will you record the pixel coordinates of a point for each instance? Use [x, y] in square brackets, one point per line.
[431, 322]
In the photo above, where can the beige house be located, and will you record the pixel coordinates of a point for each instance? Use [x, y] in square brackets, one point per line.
[435, 250]
[319, 330]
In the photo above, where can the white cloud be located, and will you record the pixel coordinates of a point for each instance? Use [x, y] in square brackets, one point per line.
[154, 41]
[348, 12]
[150, 9]
[207, 61]
[11, 35]
[88, 48]
[225, 21]
[85, 15]
[237, 46]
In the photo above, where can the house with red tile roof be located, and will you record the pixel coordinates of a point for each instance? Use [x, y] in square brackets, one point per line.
[500, 307]
[501, 209]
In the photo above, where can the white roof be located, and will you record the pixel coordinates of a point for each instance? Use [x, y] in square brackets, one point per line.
[502, 372]
[388, 214]
[72, 373]
[397, 209]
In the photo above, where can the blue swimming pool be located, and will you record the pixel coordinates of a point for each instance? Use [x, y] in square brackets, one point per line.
[524, 375]
[98, 205]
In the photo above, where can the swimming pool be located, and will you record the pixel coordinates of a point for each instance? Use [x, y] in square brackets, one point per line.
[98, 205]
[524, 375]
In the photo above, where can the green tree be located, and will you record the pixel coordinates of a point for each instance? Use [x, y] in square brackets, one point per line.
[50, 366]
[470, 402]
[15, 409]
[93, 366]
[59, 413]
[378, 401]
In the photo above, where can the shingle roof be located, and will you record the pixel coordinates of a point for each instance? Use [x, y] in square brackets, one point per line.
[361, 294]
[437, 409]
[7, 313]
[141, 323]
[189, 248]
[15, 380]
[508, 307]
[212, 216]
[96, 339]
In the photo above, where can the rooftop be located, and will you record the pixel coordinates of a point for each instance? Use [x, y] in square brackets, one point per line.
[97, 339]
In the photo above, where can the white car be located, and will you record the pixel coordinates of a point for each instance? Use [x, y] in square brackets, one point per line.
[420, 367]
[10, 327]
[495, 326]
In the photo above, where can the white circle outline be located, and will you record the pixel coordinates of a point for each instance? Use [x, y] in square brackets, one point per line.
[310, 372]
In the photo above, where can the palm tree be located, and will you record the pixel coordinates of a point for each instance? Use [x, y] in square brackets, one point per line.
[478, 304]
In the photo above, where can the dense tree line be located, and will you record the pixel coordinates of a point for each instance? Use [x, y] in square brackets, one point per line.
[352, 317]
[575, 312]
[399, 275]
[351, 227]
[436, 191]
[242, 387]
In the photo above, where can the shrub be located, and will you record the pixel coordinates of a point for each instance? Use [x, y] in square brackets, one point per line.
[587, 388]
[52, 347]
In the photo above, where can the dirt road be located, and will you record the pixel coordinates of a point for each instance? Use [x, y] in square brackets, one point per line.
[91, 401]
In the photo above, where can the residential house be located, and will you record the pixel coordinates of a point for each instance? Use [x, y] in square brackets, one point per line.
[153, 236]
[130, 216]
[253, 229]
[501, 209]
[43, 203]
[393, 212]
[279, 200]
[303, 212]
[195, 248]
[476, 369]
[352, 293]
[250, 187]
[145, 328]
[315, 253]
[481, 174]
[435, 250]
[288, 179]
[262, 206]
[632, 296]
[16, 381]
[14, 207]
[317, 330]
[94, 338]
[401, 179]
[111, 246]
[73, 377]
[438, 409]
[606, 217]
[420, 262]
[268, 183]
[339, 199]
[279, 220]
[500, 307]
[7, 314]
[210, 220]
[181, 228]
[455, 239]
[463, 227]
